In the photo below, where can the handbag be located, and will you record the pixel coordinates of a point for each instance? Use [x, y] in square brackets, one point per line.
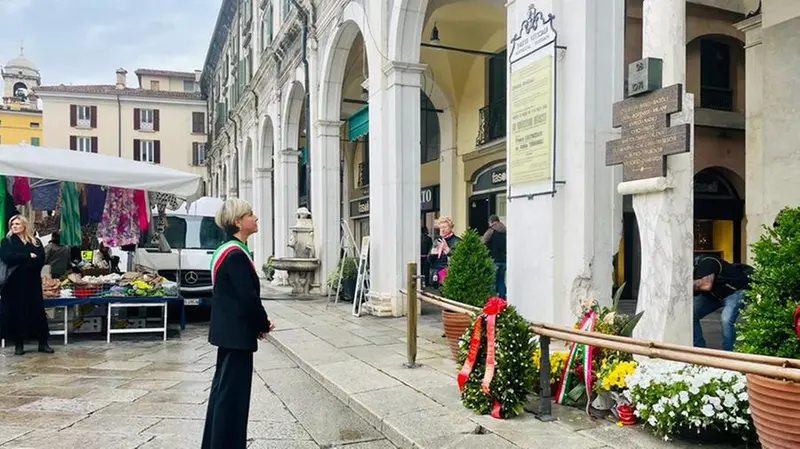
[5, 272]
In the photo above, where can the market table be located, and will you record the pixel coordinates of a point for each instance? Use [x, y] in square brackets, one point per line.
[117, 302]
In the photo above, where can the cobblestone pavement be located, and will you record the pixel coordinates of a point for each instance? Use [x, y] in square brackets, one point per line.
[142, 393]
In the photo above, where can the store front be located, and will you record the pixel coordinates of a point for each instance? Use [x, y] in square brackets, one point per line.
[359, 216]
[718, 214]
[488, 197]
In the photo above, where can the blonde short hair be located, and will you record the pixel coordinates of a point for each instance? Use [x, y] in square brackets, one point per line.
[447, 220]
[231, 210]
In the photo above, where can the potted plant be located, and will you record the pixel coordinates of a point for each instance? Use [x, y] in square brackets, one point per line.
[269, 271]
[349, 269]
[469, 280]
[768, 327]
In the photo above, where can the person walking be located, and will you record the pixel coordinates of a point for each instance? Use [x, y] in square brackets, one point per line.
[238, 321]
[22, 315]
[495, 239]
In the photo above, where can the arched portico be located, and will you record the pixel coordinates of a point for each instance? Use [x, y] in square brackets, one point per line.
[263, 197]
[246, 172]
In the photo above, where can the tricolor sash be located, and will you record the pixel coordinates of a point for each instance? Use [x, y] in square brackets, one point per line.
[223, 251]
[586, 353]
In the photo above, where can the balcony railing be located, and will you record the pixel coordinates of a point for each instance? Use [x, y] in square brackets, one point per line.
[716, 98]
[491, 123]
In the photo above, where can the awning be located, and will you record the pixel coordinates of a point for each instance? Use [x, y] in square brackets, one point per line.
[91, 168]
[358, 124]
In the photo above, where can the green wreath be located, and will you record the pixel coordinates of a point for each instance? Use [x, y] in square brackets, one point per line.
[514, 371]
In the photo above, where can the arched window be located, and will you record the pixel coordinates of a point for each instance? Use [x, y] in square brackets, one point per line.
[430, 136]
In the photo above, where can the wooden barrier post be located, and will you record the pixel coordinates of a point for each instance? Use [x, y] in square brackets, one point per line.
[545, 398]
[411, 317]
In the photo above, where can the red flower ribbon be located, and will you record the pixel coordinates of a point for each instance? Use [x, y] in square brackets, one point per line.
[491, 309]
[797, 321]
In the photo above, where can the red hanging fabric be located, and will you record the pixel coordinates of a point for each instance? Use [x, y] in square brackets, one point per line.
[141, 207]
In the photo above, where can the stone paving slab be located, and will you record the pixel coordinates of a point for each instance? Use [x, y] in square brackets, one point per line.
[421, 408]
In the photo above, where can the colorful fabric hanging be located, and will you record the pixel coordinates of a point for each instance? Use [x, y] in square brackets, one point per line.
[22, 191]
[44, 194]
[95, 202]
[120, 224]
[141, 208]
[70, 215]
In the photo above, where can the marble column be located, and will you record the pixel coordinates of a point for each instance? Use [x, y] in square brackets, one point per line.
[286, 199]
[325, 192]
[664, 207]
[262, 205]
[394, 185]
[754, 131]
[448, 177]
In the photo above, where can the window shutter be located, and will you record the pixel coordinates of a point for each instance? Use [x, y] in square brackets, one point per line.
[94, 144]
[195, 158]
[73, 143]
[73, 116]
[93, 116]
[137, 150]
[157, 151]
[155, 120]
[137, 118]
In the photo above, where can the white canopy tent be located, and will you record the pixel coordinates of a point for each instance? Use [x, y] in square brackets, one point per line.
[91, 168]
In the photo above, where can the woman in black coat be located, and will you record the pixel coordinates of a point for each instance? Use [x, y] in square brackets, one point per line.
[238, 321]
[22, 315]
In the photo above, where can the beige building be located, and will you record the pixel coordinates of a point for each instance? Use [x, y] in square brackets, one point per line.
[161, 121]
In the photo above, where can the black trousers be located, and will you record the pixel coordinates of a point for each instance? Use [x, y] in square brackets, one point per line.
[229, 401]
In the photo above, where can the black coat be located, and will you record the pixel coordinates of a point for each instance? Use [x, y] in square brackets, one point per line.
[22, 315]
[237, 316]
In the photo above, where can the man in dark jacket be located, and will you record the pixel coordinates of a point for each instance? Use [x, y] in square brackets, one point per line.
[718, 284]
[495, 239]
[426, 244]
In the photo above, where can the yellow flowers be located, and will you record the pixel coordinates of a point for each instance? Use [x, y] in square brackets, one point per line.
[613, 374]
[557, 362]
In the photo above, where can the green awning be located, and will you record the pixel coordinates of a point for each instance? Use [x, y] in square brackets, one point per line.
[358, 124]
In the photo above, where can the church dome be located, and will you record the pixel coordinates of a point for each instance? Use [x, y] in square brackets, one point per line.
[21, 65]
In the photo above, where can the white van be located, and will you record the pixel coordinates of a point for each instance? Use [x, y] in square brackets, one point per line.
[193, 234]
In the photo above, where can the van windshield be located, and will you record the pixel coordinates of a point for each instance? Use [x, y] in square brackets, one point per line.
[187, 232]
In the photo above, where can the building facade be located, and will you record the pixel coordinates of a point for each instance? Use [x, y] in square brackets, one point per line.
[20, 114]
[162, 121]
[407, 122]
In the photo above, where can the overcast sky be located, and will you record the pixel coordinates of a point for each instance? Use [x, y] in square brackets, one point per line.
[86, 41]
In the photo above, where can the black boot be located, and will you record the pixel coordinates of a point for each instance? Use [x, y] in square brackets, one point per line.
[45, 348]
[19, 348]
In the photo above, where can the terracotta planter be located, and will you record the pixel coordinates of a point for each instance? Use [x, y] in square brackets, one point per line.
[775, 407]
[454, 326]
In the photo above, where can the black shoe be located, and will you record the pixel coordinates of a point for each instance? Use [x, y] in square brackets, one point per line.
[19, 349]
[45, 348]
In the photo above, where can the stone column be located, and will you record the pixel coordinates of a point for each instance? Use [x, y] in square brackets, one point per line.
[448, 177]
[286, 200]
[326, 201]
[262, 205]
[754, 124]
[560, 246]
[394, 185]
[665, 206]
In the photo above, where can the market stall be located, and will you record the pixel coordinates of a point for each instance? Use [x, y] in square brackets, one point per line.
[95, 202]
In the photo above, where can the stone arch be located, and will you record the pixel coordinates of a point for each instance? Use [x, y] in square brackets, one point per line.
[447, 123]
[266, 156]
[292, 114]
[405, 29]
[353, 21]
[247, 161]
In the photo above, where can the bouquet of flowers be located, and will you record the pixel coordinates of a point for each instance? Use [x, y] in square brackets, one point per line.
[673, 397]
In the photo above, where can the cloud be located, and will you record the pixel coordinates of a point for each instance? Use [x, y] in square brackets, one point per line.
[85, 41]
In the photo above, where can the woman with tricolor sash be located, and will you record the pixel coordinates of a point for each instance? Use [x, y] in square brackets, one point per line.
[238, 321]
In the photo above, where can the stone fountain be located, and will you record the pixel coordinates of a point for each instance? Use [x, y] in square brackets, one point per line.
[301, 267]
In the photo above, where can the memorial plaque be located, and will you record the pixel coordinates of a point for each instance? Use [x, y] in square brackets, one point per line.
[647, 139]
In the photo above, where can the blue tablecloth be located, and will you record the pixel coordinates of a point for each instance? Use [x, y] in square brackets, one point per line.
[61, 302]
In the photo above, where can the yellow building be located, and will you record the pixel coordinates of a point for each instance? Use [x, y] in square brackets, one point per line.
[21, 118]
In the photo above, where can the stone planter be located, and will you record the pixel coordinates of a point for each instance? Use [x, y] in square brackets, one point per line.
[455, 324]
[775, 407]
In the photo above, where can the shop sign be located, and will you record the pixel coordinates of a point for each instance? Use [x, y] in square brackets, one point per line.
[490, 179]
[359, 207]
[429, 198]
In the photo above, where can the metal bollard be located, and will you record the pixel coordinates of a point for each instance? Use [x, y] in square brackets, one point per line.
[545, 399]
[411, 318]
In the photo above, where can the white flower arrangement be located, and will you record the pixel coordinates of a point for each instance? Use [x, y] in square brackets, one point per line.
[672, 396]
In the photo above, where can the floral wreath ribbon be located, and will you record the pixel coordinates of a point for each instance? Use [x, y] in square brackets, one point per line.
[491, 309]
[588, 323]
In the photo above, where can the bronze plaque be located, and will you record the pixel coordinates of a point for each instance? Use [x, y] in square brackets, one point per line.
[647, 139]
